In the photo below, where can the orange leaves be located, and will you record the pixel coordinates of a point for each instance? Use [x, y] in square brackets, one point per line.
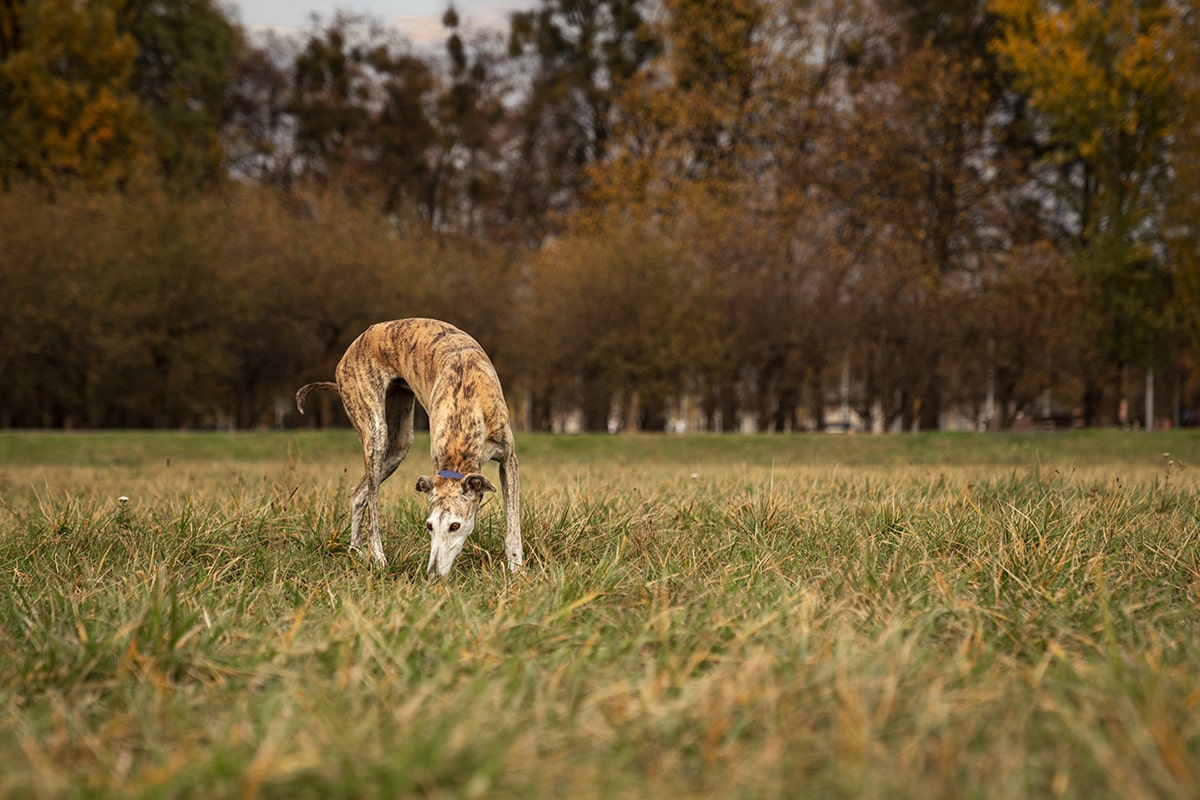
[689, 123]
[1095, 69]
[72, 111]
[1100, 73]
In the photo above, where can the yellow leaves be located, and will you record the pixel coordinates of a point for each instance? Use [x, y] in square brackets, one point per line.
[1094, 68]
[72, 111]
[1019, 13]
[690, 123]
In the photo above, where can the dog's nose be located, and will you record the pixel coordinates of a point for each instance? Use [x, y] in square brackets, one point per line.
[434, 570]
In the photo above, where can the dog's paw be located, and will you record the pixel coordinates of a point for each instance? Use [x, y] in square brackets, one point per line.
[358, 553]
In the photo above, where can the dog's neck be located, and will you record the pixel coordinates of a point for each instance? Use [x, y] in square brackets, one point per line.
[457, 464]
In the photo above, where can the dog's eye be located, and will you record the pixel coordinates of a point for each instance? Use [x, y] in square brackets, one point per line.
[454, 526]
[429, 527]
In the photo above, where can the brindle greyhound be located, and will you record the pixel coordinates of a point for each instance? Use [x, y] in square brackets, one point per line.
[386, 369]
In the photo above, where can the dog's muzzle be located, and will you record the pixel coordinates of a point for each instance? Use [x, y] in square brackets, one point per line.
[439, 567]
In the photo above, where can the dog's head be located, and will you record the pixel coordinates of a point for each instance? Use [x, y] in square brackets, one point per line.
[454, 499]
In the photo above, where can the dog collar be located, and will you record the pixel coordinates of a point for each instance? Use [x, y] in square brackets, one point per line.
[449, 473]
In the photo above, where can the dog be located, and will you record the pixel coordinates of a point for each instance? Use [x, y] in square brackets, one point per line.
[385, 370]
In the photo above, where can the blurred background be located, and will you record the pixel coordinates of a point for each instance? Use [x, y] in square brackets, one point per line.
[841, 215]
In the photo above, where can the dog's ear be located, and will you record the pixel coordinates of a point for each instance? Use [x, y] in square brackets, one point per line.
[477, 484]
[424, 485]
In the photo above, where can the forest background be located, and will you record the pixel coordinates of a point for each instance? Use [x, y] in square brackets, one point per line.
[717, 215]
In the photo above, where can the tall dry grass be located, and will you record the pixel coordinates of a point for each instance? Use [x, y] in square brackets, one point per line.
[937, 617]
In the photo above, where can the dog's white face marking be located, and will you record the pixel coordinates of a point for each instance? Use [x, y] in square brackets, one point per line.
[448, 532]
[453, 504]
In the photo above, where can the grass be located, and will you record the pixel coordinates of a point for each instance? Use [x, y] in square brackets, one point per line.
[909, 616]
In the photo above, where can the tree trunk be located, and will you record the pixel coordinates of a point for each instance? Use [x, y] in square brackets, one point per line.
[929, 418]
[595, 403]
[816, 400]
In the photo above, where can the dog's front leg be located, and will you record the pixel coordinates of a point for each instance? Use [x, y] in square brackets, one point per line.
[358, 510]
[510, 487]
[375, 540]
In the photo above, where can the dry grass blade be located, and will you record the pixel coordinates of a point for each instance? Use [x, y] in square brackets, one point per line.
[983, 616]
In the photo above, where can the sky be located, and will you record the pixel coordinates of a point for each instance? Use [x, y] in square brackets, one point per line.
[418, 20]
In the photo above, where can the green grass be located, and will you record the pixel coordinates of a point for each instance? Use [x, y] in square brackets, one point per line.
[908, 616]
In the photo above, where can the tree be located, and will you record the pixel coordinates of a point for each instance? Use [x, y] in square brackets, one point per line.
[470, 118]
[1183, 198]
[687, 120]
[621, 326]
[329, 103]
[1032, 313]
[102, 89]
[683, 153]
[11, 23]
[65, 85]
[377, 121]
[582, 53]
[186, 50]
[400, 140]
[1100, 77]
[256, 129]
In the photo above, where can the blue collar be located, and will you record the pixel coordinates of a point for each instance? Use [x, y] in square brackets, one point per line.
[449, 473]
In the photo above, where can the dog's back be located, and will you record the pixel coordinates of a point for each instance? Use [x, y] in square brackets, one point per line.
[424, 353]
[446, 370]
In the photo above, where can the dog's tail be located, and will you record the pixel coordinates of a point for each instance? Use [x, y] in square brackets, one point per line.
[304, 390]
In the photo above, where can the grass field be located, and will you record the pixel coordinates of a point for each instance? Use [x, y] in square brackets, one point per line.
[931, 616]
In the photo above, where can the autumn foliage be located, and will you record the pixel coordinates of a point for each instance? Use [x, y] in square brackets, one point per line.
[778, 215]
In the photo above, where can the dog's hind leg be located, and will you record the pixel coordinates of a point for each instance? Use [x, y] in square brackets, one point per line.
[364, 502]
[390, 444]
[364, 404]
[384, 422]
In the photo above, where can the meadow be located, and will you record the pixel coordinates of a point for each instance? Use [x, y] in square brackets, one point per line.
[924, 616]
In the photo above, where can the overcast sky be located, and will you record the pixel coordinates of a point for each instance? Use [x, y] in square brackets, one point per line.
[418, 20]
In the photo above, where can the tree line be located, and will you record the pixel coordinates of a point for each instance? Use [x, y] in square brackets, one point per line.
[758, 212]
